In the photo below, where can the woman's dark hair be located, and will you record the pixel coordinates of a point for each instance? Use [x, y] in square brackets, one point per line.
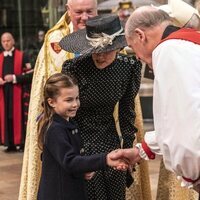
[52, 90]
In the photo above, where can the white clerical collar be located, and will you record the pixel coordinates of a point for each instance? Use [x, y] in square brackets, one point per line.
[8, 53]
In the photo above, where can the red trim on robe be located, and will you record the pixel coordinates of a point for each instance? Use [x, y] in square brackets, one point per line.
[148, 151]
[190, 180]
[17, 101]
[187, 34]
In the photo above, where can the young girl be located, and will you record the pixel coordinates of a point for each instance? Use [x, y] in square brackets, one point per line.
[63, 166]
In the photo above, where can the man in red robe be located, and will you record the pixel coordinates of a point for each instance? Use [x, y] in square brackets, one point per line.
[13, 64]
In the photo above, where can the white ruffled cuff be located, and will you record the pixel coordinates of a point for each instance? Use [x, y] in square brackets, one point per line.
[142, 153]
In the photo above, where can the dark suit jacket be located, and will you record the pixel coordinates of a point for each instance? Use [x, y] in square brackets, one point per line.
[63, 167]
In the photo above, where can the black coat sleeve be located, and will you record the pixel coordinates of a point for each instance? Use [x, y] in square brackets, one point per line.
[59, 145]
[24, 78]
[27, 75]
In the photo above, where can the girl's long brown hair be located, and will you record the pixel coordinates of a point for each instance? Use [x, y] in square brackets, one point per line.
[52, 90]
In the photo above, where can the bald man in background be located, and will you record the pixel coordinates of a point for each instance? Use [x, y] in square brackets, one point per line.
[13, 78]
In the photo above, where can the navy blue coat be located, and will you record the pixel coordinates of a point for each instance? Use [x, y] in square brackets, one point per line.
[63, 166]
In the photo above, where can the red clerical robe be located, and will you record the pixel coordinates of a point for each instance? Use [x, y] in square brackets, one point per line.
[188, 34]
[16, 101]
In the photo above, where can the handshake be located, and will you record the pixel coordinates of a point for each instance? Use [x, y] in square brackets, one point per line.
[123, 159]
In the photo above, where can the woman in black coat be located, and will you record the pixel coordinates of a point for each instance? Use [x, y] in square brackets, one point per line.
[105, 78]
